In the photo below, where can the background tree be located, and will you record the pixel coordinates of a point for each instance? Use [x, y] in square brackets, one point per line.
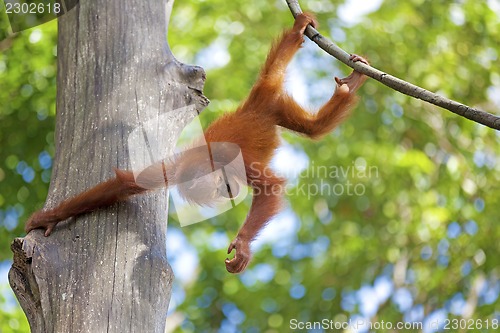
[419, 244]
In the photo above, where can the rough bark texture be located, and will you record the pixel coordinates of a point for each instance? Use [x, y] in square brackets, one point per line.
[106, 271]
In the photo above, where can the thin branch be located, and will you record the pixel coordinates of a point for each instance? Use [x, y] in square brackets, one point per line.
[395, 83]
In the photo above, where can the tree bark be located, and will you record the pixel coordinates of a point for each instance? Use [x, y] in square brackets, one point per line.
[407, 88]
[106, 271]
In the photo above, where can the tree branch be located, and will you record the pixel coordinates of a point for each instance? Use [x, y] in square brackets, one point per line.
[395, 83]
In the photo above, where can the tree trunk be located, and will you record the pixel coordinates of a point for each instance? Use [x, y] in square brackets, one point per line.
[107, 271]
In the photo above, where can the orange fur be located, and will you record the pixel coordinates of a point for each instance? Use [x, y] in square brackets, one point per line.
[253, 127]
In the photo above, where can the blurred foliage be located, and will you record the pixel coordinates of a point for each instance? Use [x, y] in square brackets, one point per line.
[12, 319]
[27, 119]
[417, 242]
